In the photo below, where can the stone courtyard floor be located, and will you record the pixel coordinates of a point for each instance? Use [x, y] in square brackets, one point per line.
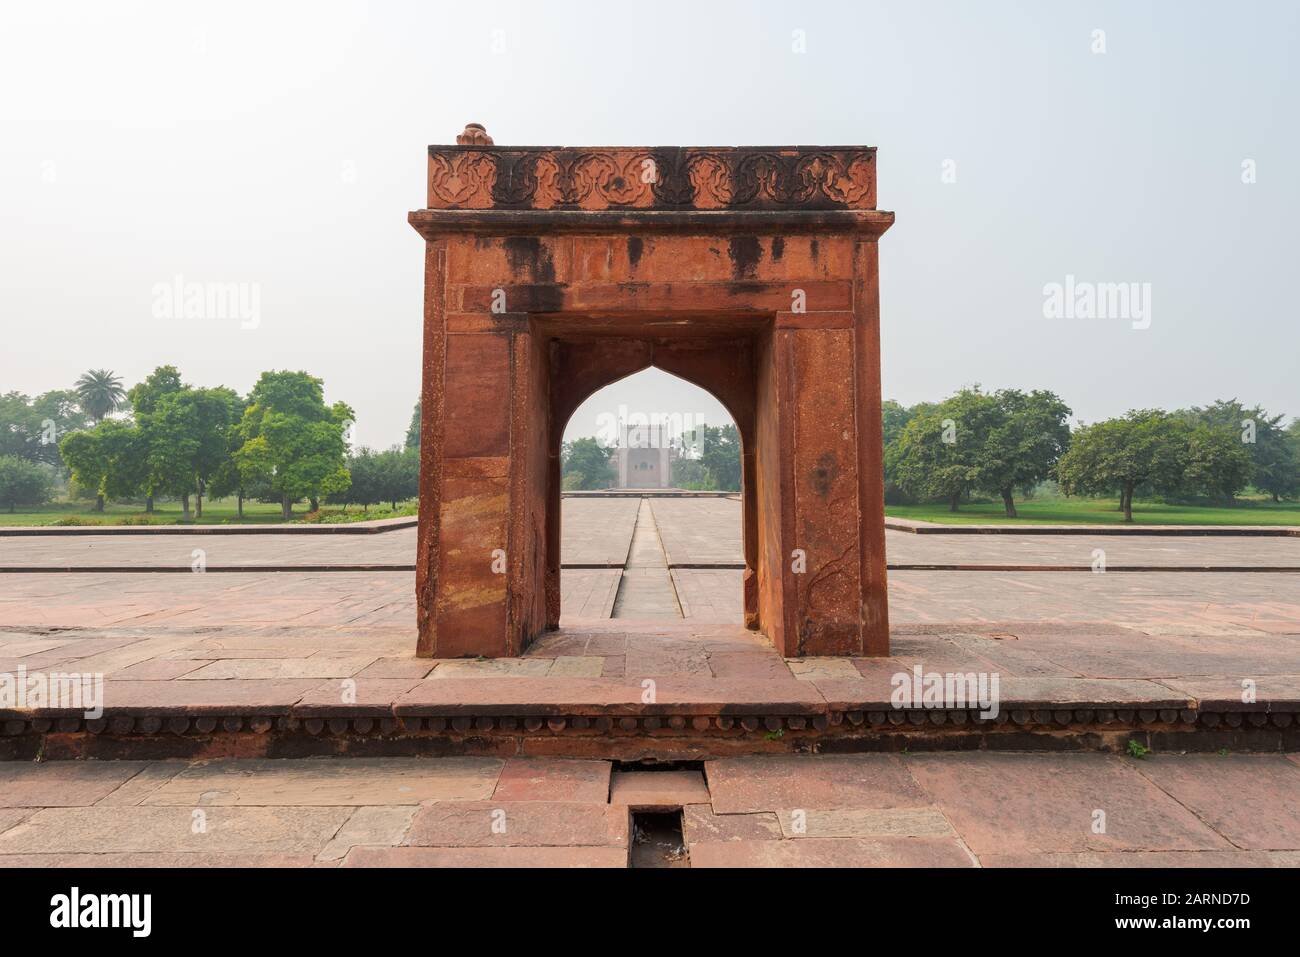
[948, 810]
[653, 594]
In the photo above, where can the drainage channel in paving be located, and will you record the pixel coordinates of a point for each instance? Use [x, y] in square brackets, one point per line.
[646, 590]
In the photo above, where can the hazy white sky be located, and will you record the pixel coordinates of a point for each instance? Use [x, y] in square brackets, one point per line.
[281, 145]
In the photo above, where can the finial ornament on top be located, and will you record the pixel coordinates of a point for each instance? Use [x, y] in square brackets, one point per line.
[475, 135]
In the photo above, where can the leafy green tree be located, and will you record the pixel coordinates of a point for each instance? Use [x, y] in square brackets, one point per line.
[1275, 464]
[1144, 447]
[1218, 464]
[893, 420]
[292, 441]
[721, 454]
[366, 488]
[23, 483]
[390, 476]
[413, 430]
[19, 427]
[187, 435]
[400, 474]
[585, 464]
[1025, 439]
[227, 480]
[941, 452]
[100, 393]
[166, 472]
[110, 458]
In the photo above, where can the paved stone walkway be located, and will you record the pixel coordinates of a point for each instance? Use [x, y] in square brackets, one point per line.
[952, 810]
[646, 591]
[601, 667]
[1160, 602]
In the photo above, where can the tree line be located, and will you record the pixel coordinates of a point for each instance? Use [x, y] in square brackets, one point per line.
[280, 443]
[1007, 442]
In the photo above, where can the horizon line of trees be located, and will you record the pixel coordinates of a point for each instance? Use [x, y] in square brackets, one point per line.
[1007, 442]
[163, 438]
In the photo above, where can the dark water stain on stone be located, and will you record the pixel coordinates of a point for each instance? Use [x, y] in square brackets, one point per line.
[635, 247]
[778, 248]
[745, 253]
[813, 249]
[527, 254]
[828, 468]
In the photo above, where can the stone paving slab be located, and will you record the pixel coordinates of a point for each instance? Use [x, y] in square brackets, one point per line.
[1020, 803]
[329, 782]
[65, 784]
[825, 852]
[553, 780]
[457, 857]
[824, 781]
[1252, 800]
[596, 531]
[658, 790]
[519, 824]
[222, 830]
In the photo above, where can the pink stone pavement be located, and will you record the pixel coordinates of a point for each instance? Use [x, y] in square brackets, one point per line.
[949, 810]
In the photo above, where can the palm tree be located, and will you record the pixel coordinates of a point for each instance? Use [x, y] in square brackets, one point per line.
[100, 392]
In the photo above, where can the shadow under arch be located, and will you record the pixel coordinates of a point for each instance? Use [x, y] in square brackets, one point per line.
[723, 363]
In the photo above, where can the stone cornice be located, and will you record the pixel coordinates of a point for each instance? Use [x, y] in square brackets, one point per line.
[433, 223]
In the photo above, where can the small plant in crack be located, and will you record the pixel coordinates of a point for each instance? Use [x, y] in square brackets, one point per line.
[1136, 749]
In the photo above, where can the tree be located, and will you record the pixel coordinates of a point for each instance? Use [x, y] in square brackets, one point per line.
[110, 458]
[100, 392]
[31, 429]
[721, 456]
[941, 452]
[1218, 465]
[399, 474]
[1275, 465]
[23, 483]
[291, 440]
[1144, 447]
[1024, 441]
[187, 435]
[57, 412]
[413, 430]
[366, 486]
[165, 474]
[227, 480]
[587, 462]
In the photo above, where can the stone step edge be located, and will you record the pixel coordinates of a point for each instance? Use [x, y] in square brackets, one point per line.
[768, 723]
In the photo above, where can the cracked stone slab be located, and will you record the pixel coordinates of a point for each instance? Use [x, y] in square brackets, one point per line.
[369, 826]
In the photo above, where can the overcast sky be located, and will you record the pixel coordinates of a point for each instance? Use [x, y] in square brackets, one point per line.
[281, 145]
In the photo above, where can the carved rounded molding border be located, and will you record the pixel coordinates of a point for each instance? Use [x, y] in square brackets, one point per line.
[652, 178]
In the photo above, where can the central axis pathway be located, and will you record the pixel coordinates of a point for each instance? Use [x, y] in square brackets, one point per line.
[646, 590]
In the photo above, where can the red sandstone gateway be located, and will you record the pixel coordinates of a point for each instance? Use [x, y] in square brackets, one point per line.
[551, 272]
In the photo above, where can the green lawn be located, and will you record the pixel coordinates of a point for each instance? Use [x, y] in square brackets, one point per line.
[215, 512]
[1097, 511]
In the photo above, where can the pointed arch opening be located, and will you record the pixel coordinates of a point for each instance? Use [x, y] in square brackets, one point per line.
[651, 510]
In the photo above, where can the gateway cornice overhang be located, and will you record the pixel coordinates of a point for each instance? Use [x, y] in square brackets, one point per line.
[434, 223]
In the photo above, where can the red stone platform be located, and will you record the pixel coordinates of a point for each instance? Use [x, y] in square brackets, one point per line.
[630, 691]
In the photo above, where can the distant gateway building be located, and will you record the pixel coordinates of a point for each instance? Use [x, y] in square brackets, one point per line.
[645, 457]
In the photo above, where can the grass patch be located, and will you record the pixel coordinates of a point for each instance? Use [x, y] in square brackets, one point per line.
[215, 512]
[1099, 511]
